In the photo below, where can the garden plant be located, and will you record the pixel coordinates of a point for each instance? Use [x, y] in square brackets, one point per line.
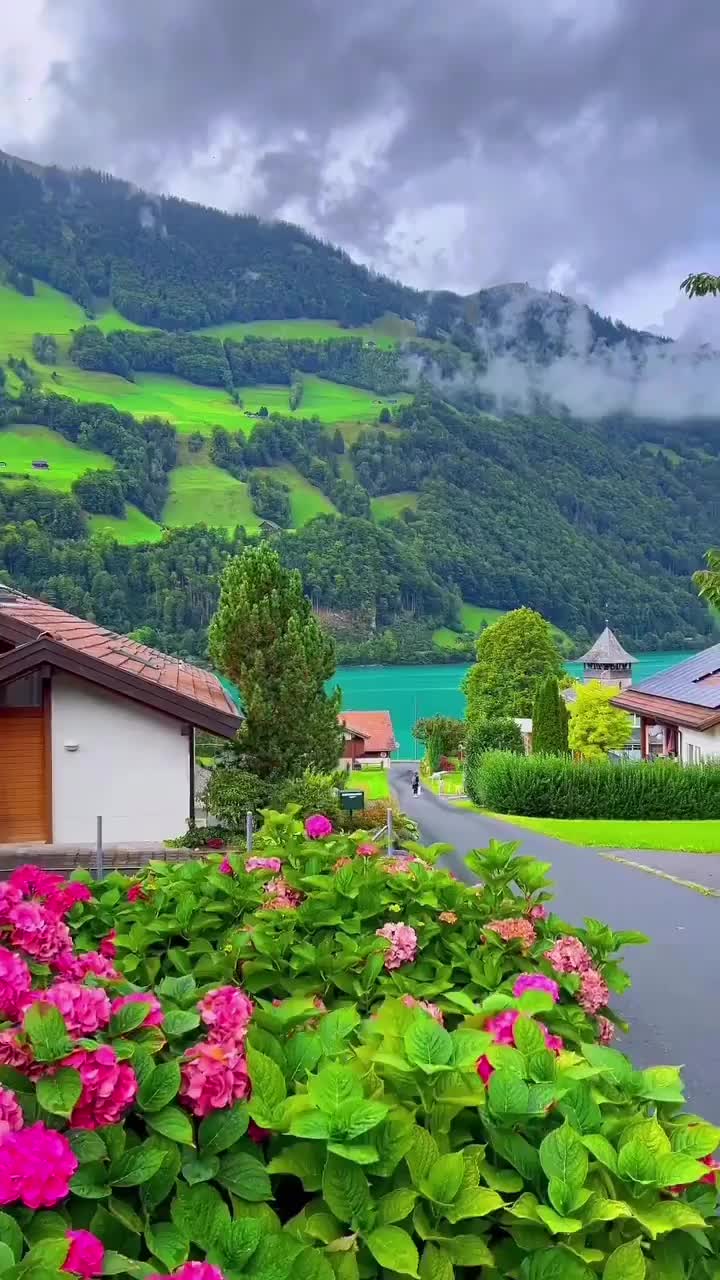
[322, 1061]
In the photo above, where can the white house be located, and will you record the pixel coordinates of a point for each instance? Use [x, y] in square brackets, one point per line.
[95, 724]
[681, 707]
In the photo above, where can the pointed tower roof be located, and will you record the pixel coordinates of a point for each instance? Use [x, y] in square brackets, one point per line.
[607, 650]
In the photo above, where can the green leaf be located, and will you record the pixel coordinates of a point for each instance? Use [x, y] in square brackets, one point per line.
[667, 1215]
[86, 1145]
[359, 1152]
[59, 1093]
[238, 1241]
[394, 1249]
[11, 1236]
[177, 1022]
[468, 1045]
[268, 1086]
[274, 1257]
[445, 1178]
[661, 1084]
[609, 1061]
[7, 1258]
[222, 1129]
[346, 1191]
[311, 1264]
[335, 1028]
[626, 1263]
[160, 1087]
[352, 1118]
[422, 1155]
[48, 1034]
[332, 1086]
[474, 1202]
[128, 1017]
[304, 1160]
[468, 1251]
[518, 1152]
[558, 1263]
[508, 1093]
[90, 1181]
[126, 1215]
[181, 990]
[167, 1243]
[245, 1176]
[302, 1054]
[696, 1140]
[136, 1166]
[50, 1253]
[599, 1209]
[427, 1044]
[435, 1264]
[556, 1222]
[116, 1264]
[310, 1124]
[199, 1168]
[677, 1169]
[528, 1036]
[200, 1213]
[601, 1149]
[637, 1163]
[173, 1123]
[396, 1205]
[563, 1156]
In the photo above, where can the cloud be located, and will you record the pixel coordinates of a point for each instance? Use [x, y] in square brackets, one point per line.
[453, 146]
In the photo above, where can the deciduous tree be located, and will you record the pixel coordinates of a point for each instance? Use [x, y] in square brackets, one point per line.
[597, 727]
[513, 656]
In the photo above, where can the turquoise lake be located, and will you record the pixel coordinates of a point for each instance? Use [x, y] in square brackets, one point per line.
[410, 693]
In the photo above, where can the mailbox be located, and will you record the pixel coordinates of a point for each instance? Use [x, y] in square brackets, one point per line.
[352, 800]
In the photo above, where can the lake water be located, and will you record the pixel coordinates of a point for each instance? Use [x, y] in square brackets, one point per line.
[410, 693]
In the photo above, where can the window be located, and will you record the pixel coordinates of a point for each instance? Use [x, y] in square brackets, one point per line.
[694, 754]
[26, 692]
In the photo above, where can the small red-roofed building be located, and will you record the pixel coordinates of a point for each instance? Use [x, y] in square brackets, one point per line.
[369, 738]
[94, 724]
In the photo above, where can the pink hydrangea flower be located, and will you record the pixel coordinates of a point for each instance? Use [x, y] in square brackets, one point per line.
[606, 1031]
[569, 955]
[425, 1005]
[9, 898]
[710, 1178]
[398, 866]
[403, 948]
[85, 1009]
[136, 893]
[37, 932]
[15, 1054]
[518, 930]
[33, 882]
[193, 1271]
[318, 826]
[155, 1016]
[538, 913]
[536, 982]
[281, 896]
[109, 1087]
[225, 869]
[264, 864]
[107, 946]
[66, 897]
[367, 850]
[15, 982]
[78, 967]
[227, 1012]
[11, 1116]
[594, 992]
[502, 1029]
[36, 1165]
[86, 1255]
[448, 917]
[214, 1076]
[342, 862]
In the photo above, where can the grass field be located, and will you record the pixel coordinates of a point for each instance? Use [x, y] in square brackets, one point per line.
[666, 837]
[306, 500]
[374, 782]
[391, 504]
[203, 493]
[328, 401]
[384, 333]
[20, 446]
[135, 527]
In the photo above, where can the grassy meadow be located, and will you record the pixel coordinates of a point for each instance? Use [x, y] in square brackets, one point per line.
[306, 500]
[20, 446]
[134, 528]
[391, 505]
[328, 401]
[201, 493]
[386, 332]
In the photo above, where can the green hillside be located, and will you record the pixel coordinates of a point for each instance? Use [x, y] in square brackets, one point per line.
[306, 500]
[22, 445]
[134, 528]
[201, 493]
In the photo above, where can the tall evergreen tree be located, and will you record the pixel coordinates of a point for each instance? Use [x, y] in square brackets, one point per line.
[550, 720]
[265, 638]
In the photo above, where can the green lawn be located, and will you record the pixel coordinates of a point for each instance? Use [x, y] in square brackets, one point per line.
[20, 446]
[374, 782]
[135, 527]
[203, 493]
[381, 333]
[391, 505]
[472, 616]
[328, 401]
[451, 783]
[306, 500]
[666, 837]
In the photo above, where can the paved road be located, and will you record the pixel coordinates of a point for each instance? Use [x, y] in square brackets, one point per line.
[674, 1005]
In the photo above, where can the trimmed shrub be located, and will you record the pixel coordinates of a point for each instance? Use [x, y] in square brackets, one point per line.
[232, 793]
[312, 793]
[557, 787]
[549, 720]
[493, 735]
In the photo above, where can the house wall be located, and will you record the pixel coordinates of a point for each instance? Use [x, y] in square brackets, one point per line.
[132, 766]
[708, 740]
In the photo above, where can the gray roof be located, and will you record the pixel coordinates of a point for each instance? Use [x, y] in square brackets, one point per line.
[681, 682]
[608, 649]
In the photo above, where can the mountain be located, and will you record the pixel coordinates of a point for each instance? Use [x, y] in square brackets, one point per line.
[413, 454]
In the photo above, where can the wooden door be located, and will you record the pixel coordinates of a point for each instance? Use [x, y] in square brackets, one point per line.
[24, 778]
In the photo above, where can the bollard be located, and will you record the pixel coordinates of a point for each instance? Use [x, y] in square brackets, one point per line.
[99, 860]
[390, 830]
[249, 826]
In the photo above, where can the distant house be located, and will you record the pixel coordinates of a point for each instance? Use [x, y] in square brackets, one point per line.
[41, 465]
[681, 706]
[95, 724]
[369, 738]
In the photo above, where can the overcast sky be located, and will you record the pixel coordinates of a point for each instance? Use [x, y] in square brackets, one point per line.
[572, 144]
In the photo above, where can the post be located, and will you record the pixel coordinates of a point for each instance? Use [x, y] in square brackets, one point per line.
[390, 830]
[248, 831]
[99, 867]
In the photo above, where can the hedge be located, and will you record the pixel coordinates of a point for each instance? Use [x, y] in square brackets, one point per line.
[557, 787]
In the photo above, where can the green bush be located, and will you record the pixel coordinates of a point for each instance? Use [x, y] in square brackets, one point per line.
[492, 735]
[312, 793]
[232, 793]
[557, 787]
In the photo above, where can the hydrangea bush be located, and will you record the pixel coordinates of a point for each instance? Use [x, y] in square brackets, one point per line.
[321, 1063]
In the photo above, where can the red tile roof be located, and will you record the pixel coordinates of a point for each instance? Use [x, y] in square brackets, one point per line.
[92, 641]
[375, 726]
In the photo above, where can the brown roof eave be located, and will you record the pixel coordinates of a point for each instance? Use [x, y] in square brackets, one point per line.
[45, 650]
[667, 711]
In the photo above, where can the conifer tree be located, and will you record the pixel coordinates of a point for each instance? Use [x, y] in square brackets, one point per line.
[265, 638]
[550, 720]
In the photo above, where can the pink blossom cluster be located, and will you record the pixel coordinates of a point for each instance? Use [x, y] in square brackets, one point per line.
[86, 1255]
[78, 967]
[281, 897]
[109, 1087]
[107, 947]
[13, 1053]
[264, 864]
[502, 1029]
[85, 1009]
[403, 944]
[606, 1031]
[448, 917]
[136, 893]
[11, 1116]
[45, 888]
[36, 1166]
[367, 850]
[425, 1005]
[538, 912]
[536, 982]
[38, 932]
[569, 955]
[193, 1271]
[709, 1178]
[517, 930]
[227, 1012]
[214, 1076]
[15, 983]
[317, 827]
[155, 1014]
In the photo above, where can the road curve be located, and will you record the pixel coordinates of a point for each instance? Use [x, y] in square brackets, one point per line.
[673, 1006]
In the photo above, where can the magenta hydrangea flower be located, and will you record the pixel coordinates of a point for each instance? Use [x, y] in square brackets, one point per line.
[225, 869]
[569, 955]
[536, 982]
[85, 1009]
[502, 1029]
[193, 1271]
[156, 1014]
[214, 1076]
[66, 897]
[15, 983]
[318, 826]
[37, 932]
[9, 898]
[280, 896]
[15, 1054]
[538, 912]
[606, 1031]
[86, 1255]
[109, 1087]
[11, 1116]
[227, 1012]
[403, 944]
[264, 864]
[36, 1165]
[136, 893]
[78, 967]
[33, 882]
[367, 850]
[425, 1005]
[594, 992]
[107, 946]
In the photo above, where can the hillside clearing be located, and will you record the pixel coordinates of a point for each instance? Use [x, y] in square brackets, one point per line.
[306, 500]
[381, 333]
[328, 401]
[201, 493]
[391, 505]
[135, 527]
[22, 445]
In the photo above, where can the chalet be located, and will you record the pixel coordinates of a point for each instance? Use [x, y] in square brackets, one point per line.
[369, 738]
[682, 706]
[95, 724]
